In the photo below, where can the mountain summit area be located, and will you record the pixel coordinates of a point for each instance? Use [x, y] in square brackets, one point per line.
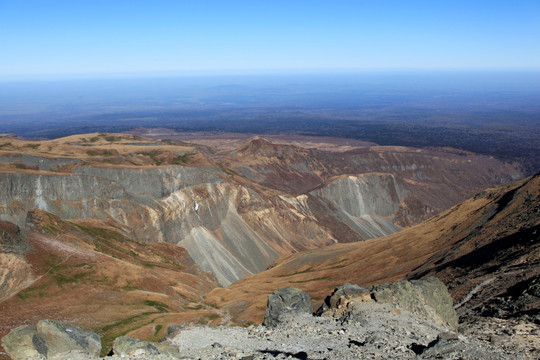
[156, 239]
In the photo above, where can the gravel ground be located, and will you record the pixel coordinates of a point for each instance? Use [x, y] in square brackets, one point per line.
[370, 333]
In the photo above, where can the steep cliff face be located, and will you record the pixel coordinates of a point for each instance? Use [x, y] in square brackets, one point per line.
[368, 203]
[237, 212]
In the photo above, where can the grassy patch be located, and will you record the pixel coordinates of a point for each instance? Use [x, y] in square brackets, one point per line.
[157, 329]
[33, 292]
[309, 269]
[120, 328]
[196, 307]
[129, 286]
[182, 159]
[316, 279]
[154, 156]
[32, 146]
[99, 153]
[187, 298]
[102, 233]
[53, 260]
[162, 307]
[5, 145]
[19, 165]
[111, 138]
[62, 279]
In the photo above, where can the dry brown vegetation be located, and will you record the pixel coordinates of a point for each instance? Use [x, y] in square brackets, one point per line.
[119, 150]
[86, 272]
[434, 247]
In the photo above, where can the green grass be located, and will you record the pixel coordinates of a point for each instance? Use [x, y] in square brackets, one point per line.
[182, 159]
[99, 153]
[154, 156]
[120, 328]
[162, 307]
[33, 292]
[309, 269]
[316, 279]
[187, 298]
[62, 279]
[5, 144]
[111, 138]
[157, 329]
[33, 146]
[196, 307]
[129, 287]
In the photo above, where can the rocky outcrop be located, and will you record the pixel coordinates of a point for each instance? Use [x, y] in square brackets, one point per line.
[126, 346]
[355, 326]
[48, 339]
[427, 298]
[284, 303]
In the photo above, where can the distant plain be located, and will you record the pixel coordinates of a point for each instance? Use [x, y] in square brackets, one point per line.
[491, 113]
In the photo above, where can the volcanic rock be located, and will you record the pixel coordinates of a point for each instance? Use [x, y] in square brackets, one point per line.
[284, 302]
[427, 298]
[48, 339]
[126, 346]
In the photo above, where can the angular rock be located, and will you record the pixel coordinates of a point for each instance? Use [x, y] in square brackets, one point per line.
[48, 339]
[341, 295]
[60, 337]
[126, 346]
[24, 343]
[427, 297]
[286, 301]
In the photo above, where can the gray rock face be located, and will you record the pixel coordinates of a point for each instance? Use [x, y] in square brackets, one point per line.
[428, 298]
[48, 339]
[126, 346]
[286, 301]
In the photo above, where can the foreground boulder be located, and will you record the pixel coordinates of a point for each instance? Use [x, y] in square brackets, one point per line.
[428, 298]
[286, 301]
[48, 339]
[126, 346]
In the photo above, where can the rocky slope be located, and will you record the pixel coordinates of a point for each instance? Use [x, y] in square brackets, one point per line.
[401, 320]
[90, 274]
[121, 272]
[486, 250]
[236, 212]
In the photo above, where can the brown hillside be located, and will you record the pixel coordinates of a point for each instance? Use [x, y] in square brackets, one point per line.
[87, 273]
[494, 235]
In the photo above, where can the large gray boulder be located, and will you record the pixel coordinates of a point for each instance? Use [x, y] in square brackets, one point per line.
[126, 346]
[48, 339]
[428, 298]
[286, 301]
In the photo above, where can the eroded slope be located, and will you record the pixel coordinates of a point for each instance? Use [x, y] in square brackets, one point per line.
[486, 249]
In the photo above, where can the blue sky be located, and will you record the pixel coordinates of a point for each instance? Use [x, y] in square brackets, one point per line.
[66, 37]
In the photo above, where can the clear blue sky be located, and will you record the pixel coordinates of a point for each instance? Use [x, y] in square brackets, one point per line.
[115, 36]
